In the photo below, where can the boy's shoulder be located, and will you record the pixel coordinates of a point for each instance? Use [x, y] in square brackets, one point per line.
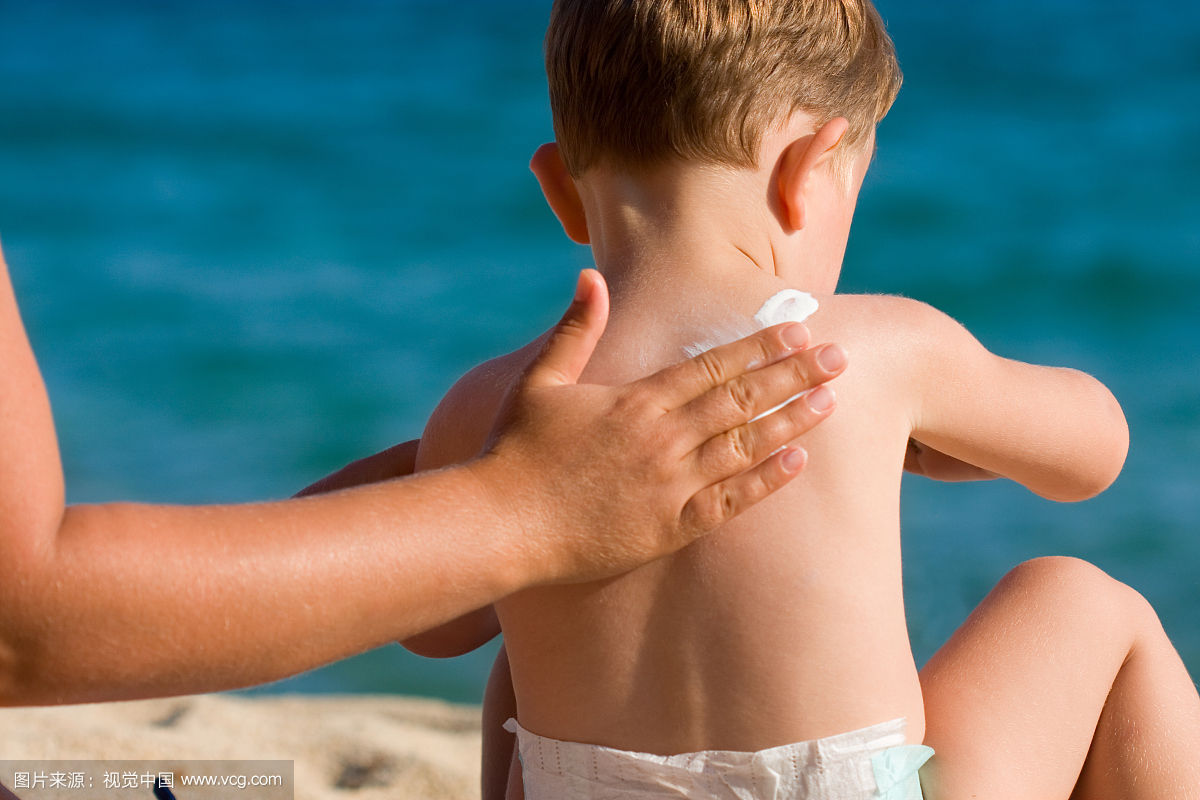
[891, 326]
[900, 349]
[884, 334]
[460, 425]
[869, 311]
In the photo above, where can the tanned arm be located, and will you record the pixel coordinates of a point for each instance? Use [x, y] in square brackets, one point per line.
[102, 602]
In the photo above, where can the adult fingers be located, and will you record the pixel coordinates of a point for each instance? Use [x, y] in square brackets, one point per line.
[740, 448]
[723, 501]
[755, 394]
[681, 383]
[570, 344]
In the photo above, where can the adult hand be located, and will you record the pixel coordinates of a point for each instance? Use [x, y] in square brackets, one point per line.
[605, 478]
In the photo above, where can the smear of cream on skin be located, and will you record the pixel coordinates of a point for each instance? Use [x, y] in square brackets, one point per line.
[790, 305]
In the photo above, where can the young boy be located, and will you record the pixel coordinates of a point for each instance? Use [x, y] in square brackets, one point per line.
[711, 153]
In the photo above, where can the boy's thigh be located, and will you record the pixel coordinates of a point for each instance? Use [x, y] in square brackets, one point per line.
[1013, 699]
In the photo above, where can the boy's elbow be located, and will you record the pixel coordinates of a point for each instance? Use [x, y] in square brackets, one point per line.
[431, 645]
[1106, 437]
[1115, 440]
[437, 645]
[457, 637]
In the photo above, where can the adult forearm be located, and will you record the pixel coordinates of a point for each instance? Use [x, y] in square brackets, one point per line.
[123, 600]
[136, 600]
[580, 483]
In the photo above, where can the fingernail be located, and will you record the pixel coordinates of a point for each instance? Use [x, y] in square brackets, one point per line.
[831, 358]
[582, 288]
[821, 399]
[793, 460]
[795, 336]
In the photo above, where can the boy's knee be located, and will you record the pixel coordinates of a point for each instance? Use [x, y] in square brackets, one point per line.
[1067, 582]
[1064, 572]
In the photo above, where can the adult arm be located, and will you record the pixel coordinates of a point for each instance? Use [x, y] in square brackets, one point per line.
[453, 638]
[102, 602]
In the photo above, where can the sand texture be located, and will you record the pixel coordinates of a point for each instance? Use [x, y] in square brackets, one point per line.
[343, 746]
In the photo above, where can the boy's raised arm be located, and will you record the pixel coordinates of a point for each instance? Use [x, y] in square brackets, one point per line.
[1059, 432]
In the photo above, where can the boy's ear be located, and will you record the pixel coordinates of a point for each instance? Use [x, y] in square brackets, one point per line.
[799, 163]
[561, 193]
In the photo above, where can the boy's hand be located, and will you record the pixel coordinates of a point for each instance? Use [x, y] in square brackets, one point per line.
[922, 460]
[606, 478]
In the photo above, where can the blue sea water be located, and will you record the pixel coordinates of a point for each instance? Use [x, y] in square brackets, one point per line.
[250, 239]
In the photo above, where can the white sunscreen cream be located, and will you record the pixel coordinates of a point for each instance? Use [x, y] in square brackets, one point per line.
[790, 305]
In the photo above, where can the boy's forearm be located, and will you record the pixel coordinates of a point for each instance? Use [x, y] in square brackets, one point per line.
[1061, 433]
[122, 600]
[1057, 431]
[1084, 437]
[920, 459]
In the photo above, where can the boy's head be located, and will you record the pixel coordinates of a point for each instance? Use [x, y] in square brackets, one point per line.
[634, 83]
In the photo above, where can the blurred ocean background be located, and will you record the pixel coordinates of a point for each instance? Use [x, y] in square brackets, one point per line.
[256, 240]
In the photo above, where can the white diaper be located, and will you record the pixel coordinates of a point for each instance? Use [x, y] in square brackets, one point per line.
[873, 763]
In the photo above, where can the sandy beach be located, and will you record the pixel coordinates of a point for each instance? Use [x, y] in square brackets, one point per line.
[343, 746]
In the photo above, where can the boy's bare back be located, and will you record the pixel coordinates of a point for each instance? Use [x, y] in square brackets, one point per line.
[788, 623]
[784, 626]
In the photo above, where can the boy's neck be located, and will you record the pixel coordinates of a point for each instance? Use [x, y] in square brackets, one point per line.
[694, 224]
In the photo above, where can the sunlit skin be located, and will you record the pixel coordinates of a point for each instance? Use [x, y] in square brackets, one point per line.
[122, 600]
[788, 624]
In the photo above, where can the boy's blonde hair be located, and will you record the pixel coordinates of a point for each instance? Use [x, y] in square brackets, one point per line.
[637, 82]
